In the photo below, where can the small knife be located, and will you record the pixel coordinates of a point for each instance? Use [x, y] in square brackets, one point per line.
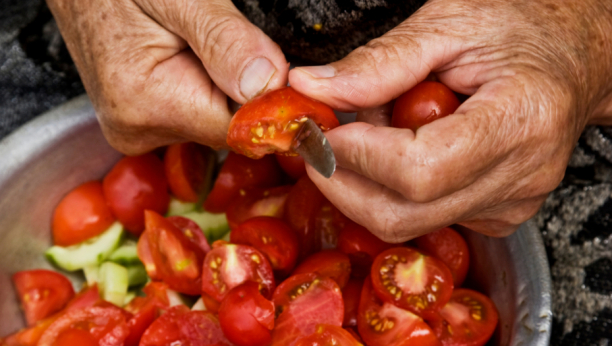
[311, 144]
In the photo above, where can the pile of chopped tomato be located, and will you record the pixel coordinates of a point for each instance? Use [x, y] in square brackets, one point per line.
[292, 271]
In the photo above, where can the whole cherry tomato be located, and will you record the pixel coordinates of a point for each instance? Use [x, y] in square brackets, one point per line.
[188, 167]
[136, 184]
[292, 164]
[424, 103]
[82, 214]
[448, 246]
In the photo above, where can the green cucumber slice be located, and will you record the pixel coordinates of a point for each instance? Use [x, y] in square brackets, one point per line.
[126, 254]
[92, 274]
[214, 226]
[91, 252]
[178, 207]
[137, 275]
[226, 237]
[113, 283]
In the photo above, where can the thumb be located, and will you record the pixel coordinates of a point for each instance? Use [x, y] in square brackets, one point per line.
[378, 72]
[241, 59]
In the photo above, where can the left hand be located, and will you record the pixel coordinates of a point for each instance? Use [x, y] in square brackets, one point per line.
[538, 72]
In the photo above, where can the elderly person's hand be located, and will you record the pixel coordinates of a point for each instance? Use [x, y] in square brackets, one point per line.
[537, 71]
[159, 71]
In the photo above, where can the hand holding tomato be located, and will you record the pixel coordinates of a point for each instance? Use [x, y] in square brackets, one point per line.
[537, 73]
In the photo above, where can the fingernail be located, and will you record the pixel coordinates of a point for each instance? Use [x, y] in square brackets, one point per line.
[255, 77]
[324, 71]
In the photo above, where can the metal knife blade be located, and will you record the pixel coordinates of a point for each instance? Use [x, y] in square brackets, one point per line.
[311, 144]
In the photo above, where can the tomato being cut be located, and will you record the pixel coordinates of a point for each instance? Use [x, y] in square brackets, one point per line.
[191, 230]
[384, 324]
[448, 246]
[246, 317]
[328, 263]
[239, 172]
[412, 281]
[351, 294]
[228, 265]
[80, 215]
[257, 201]
[188, 167]
[268, 123]
[361, 246]
[468, 319]
[42, 293]
[136, 184]
[304, 301]
[273, 237]
[293, 165]
[326, 335]
[178, 260]
[424, 103]
[181, 326]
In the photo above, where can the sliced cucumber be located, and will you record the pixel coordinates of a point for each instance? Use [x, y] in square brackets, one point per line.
[178, 207]
[214, 226]
[92, 274]
[126, 254]
[137, 275]
[91, 252]
[129, 297]
[113, 283]
[226, 237]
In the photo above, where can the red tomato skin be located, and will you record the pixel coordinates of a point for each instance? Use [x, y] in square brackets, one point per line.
[186, 166]
[448, 246]
[464, 301]
[191, 230]
[75, 336]
[81, 214]
[374, 328]
[361, 246]
[432, 272]
[181, 326]
[229, 265]
[255, 202]
[294, 166]
[106, 325]
[273, 237]
[136, 184]
[424, 103]
[42, 293]
[240, 172]
[246, 317]
[326, 335]
[145, 310]
[327, 263]
[351, 294]
[178, 260]
[269, 122]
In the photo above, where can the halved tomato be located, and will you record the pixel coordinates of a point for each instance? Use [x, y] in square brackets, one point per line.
[351, 294]
[181, 326]
[293, 165]
[384, 324]
[178, 260]
[42, 293]
[304, 301]
[327, 263]
[136, 184]
[273, 237]
[468, 319]
[448, 246]
[361, 246]
[268, 123]
[257, 201]
[81, 214]
[412, 281]
[191, 230]
[326, 335]
[145, 310]
[90, 326]
[246, 317]
[228, 265]
[239, 172]
[188, 167]
[145, 256]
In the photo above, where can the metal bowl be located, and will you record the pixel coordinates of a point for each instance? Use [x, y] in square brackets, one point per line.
[52, 154]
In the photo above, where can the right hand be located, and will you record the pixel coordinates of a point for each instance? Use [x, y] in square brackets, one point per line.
[158, 71]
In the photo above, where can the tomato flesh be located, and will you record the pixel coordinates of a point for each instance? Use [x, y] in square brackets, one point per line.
[145, 310]
[328, 263]
[246, 317]
[255, 202]
[187, 166]
[144, 254]
[269, 122]
[361, 246]
[191, 230]
[293, 165]
[273, 237]
[448, 246]
[468, 319]
[42, 293]
[412, 281]
[424, 103]
[136, 184]
[326, 335]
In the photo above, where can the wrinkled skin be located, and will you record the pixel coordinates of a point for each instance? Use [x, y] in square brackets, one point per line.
[537, 72]
[158, 71]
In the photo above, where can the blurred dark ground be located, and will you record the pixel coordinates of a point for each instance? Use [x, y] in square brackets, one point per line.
[36, 74]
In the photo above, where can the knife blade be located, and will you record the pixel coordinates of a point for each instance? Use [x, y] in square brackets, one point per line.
[311, 144]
